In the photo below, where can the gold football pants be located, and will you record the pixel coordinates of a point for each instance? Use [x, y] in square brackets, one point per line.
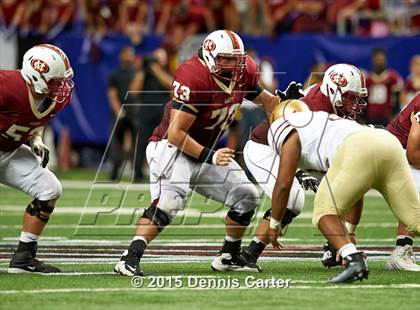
[369, 159]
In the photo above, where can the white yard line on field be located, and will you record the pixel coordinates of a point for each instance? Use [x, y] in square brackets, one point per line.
[189, 212]
[139, 290]
[90, 185]
[99, 226]
[216, 241]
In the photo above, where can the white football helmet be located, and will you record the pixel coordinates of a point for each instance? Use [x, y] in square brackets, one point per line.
[224, 55]
[345, 86]
[47, 70]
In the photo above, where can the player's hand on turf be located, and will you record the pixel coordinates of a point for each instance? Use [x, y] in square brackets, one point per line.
[293, 91]
[41, 150]
[307, 180]
[223, 157]
[274, 234]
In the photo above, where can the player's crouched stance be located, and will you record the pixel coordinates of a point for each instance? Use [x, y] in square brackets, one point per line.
[208, 90]
[31, 97]
[356, 159]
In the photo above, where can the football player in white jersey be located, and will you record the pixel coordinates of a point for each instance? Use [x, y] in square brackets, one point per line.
[356, 158]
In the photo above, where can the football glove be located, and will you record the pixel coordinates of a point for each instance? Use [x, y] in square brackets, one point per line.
[40, 149]
[293, 91]
[307, 181]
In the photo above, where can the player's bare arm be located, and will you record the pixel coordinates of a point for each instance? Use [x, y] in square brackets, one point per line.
[267, 100]
[413, 141]
[178, 135]
[289, 158]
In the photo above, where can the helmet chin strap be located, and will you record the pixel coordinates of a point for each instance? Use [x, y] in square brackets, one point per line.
[36, 95]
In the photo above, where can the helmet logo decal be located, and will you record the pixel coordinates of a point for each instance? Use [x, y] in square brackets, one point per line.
[209, 45]
[40, 66]
[338, 79]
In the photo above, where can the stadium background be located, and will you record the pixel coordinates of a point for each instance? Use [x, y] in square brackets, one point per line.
[292, 36]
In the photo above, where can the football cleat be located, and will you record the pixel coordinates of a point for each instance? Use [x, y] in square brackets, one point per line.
[249, 259]
[329, 258]
[128, 265]
[402, 258]
[356, 268]
[25, 261]
[229, 262]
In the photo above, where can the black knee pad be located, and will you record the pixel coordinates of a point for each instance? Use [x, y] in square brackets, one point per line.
[267, 215]
[243, 219]
[36, 207]
[287, 218]
[157, 216]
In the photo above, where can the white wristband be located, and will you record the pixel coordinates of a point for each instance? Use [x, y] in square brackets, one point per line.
[274, 224]
[214, 158]
[351, 228]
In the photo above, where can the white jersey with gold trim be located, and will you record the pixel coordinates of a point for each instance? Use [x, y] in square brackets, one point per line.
[320, 135]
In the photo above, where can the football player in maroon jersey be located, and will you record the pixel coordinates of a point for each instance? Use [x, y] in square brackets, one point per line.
[29, 99]
[412, 83]
[208, 90]
[384, 86]
[406, 127]
[342, 91]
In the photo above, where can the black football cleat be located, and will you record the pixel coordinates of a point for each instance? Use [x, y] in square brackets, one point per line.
[356, 268]
[329, 258]
[128, 265]
[232, 262]
[25, 261]
[249, 259]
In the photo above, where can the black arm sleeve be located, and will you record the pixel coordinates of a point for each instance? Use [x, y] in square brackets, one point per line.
[184, 107]
[253, 92]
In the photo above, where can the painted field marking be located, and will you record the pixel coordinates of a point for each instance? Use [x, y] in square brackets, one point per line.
[139, 290]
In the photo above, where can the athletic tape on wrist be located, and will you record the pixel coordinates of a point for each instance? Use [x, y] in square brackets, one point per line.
[274, 224]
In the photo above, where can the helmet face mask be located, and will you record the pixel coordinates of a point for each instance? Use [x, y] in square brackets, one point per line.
[229, 67]
[351, 106]
[60, 89]
[344, 85]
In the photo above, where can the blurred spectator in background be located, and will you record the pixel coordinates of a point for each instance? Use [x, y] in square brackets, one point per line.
[160, 15]
[34, 26]
[62, 15]
[278, 16]
[340, 13]
[412, 83]
[153, 85]
[187, 18]
[11, 15]
[384, 87]
[101, 18]
[123, 118]
[312, 16]
[132, 17]
[221, 14]
[414, 17]
[316, 75]
[371, 21]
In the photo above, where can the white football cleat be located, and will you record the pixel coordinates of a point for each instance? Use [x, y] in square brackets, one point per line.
[402, 258]
[229, 262]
